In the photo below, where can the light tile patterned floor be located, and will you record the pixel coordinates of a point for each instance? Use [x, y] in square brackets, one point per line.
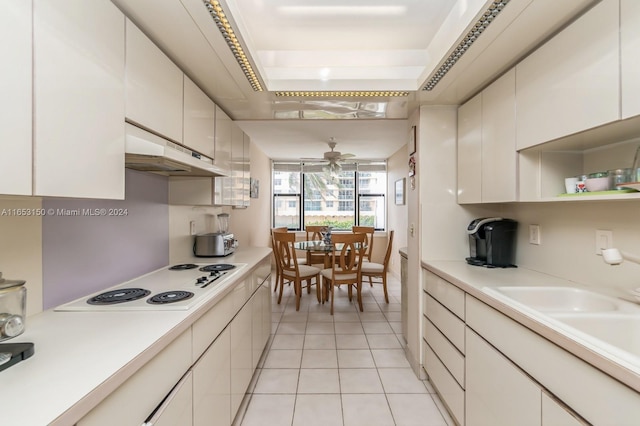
[348, 369]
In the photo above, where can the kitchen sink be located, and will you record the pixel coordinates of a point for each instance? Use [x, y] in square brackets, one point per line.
[560, 299]
[619, 331]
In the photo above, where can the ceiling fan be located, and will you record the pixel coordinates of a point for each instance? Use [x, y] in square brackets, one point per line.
[332, 158]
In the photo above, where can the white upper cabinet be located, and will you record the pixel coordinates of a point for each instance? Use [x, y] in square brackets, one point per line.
[199, 119]
[78, 83]
[15, 102]
[470, 151]
[154, 87]
[223, 126]
[499, 157]
[487, 158]
[630, 51]
[571, 83]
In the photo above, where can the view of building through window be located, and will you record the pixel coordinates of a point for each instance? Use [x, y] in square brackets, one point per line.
[311, 195]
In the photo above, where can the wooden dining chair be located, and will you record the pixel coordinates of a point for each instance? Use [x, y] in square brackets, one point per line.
[291, 270]
[348, 252]
[314, 233]
[368, 232]
[379, 270]
[275, 254]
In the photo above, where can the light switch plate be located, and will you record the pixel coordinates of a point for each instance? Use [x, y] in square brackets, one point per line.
[534, 234]
[604, 240]
[192, 227]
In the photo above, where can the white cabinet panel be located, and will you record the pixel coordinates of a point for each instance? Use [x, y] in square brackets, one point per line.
[15, 103]
[137, 398]
[177, 409]
[497, 392]
[571, 83]
[444, 292]
[241, 359]
[499, 157]
[470, 151]
[199, 119]
[154, 86]
[630, 51]
[212, 384]
[78, 98]
[554, 413]
[449, 324]
[450, 391]
[223, 126]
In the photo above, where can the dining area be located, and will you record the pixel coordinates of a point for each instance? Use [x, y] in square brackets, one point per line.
[329, 263]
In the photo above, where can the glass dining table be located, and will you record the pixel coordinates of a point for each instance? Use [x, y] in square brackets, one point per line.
[319, 246]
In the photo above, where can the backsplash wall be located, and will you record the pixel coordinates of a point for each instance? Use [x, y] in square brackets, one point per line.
[82, 253]
[567, 248]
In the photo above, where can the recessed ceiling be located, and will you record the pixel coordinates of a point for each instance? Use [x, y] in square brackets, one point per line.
[333, 45]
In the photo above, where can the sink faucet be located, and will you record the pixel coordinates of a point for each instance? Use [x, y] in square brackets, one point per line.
[613, 256]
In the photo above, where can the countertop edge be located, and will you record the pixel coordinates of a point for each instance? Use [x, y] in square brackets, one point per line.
[595, 359]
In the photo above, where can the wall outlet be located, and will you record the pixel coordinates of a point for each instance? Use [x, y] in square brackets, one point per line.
[534, 234]
[604, 240]
[192, 227]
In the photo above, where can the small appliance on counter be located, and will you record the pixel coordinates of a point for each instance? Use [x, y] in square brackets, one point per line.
[13, 303]
[492, 242]
[215, 244]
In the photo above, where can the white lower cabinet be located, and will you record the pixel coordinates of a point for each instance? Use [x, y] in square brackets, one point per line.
[241, 359]
[212, 384]
[176, 409]
[497, 393]
[137, 398]
[555, 413]
[202, 376]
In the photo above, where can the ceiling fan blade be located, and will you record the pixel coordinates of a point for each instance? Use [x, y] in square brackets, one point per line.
[343, 156]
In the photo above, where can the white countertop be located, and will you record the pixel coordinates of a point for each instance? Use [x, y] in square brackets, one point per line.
[81, 357]
[474, 280]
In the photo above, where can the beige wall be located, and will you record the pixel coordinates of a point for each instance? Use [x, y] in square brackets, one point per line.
[396, 214]
[21, 247]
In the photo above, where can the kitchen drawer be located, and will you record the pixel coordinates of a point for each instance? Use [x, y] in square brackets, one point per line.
[594, 395]
[445, 292]
[452, 359]
[448, 324]
[451, 394]
[136, 398]
[211, 324]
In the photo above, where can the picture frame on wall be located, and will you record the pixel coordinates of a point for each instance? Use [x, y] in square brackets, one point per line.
[254, 188]
[400, 190]
[412, 141]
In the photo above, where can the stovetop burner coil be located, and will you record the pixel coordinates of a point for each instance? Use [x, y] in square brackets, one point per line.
[169, 297]
[118, 296]
[217, 267]
[183, 267]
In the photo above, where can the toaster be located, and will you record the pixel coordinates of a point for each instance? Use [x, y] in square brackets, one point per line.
[214, 245]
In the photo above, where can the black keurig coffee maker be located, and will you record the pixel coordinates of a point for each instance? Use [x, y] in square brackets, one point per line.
[492, 242]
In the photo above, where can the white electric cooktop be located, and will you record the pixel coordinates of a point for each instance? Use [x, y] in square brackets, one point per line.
[179, 288]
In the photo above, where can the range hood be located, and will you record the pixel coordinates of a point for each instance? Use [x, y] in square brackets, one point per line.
[147, 152]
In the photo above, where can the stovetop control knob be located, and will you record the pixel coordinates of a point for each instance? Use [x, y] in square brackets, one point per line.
[201, 280]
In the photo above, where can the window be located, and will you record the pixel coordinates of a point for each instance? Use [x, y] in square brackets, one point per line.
[308, 194]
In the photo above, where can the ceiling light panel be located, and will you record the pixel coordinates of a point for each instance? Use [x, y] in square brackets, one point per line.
[487, 17]
[232, 39]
